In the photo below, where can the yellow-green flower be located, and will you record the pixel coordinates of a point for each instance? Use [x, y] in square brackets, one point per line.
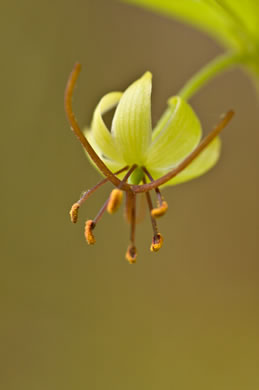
[138, 159]
[132, 141]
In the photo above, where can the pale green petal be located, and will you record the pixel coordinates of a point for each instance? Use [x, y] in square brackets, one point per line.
[113, 165]
[176, 135]
[205, 161]
[99, 134]
[131, 126]
[162, 122]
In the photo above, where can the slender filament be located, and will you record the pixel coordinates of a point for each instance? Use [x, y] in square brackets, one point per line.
[104, 207]
[86, 195]
[150, 206]
[133, 221]
[101, 212]
[158, 193]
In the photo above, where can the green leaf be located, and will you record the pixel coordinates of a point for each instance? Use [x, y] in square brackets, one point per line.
[233, 22]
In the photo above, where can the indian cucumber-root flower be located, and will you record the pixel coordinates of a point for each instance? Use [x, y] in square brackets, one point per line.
[136, 158]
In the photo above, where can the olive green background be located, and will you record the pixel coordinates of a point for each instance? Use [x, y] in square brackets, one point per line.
[79, 317]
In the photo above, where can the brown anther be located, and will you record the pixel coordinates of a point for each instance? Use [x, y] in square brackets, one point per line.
[131, 254]
[114, 201]
[160, 210]
[157, 242]
[89, 226]
[74, 212]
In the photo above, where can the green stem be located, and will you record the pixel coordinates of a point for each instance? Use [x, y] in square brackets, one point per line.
[213, 68]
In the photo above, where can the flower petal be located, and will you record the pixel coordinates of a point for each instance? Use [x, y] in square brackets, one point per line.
[205, 161]
[113, 165]
[99, 135]
[131, 126]
[178, 132]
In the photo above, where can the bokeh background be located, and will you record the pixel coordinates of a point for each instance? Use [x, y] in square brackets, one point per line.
[79, 317]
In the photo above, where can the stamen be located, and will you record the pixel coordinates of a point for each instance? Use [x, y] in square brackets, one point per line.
[116, 194]
[88, 193]
[157, 240]
[75, 208]
[74, 212]
[114, 201]
[160, 210]
[101, 212]
[128, 206]
[153, 221]
[162, 205]
[89, 226]
[131, 253]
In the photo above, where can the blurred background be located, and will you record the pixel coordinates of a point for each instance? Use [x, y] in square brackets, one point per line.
[79, 317]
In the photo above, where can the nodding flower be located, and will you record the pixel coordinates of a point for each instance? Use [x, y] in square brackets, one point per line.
[137, 159]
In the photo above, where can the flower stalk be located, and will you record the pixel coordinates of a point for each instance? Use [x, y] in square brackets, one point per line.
[210, 71]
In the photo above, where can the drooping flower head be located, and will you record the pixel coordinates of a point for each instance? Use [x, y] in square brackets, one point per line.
[137, 159]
